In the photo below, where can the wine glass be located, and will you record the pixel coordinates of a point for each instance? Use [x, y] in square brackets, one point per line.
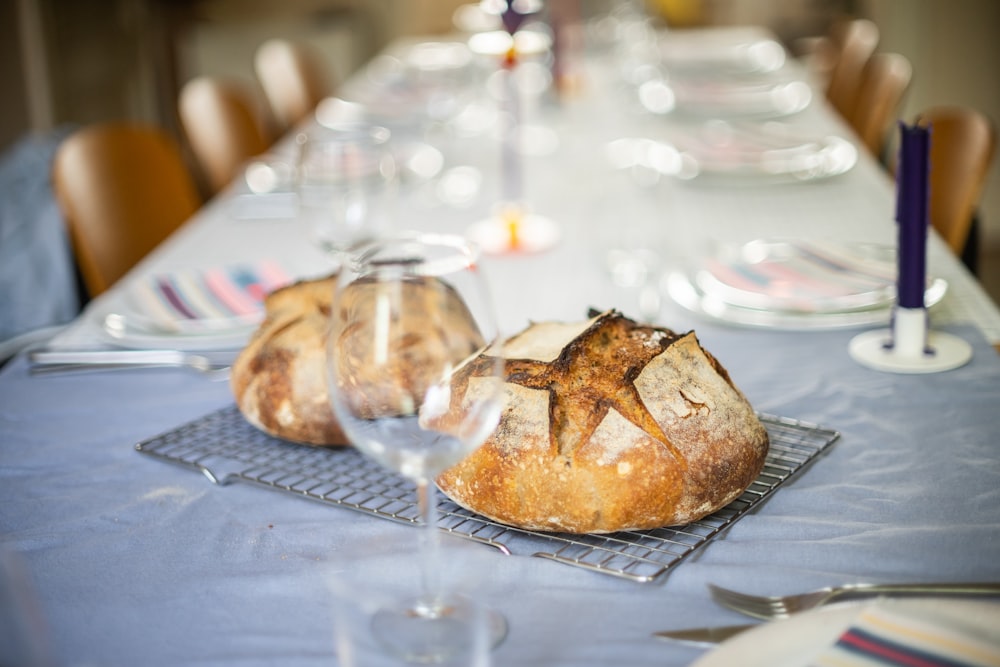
[345, 182]
[411, 321]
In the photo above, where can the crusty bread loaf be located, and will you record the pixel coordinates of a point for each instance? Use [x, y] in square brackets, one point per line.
[430, 328]
[280, 378]
[609, 425]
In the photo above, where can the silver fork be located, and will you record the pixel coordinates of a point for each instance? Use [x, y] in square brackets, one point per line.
[50, 362]
[768, 607]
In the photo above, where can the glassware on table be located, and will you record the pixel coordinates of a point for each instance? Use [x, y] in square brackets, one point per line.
[428, 94]
[440, 79]
[512, 227]
[345, 182]
[408, 311]
[636, 46]
[370, 575]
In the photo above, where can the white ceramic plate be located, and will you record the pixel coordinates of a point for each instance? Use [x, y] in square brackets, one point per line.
[138, 318]
[192, 308]
[764, 150]
[736, 97]
[801, 276]
[731, 49]
[682, 289]
[118, 326]
[795, 641]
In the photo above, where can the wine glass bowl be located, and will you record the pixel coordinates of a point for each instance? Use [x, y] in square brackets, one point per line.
[345, 181]
[393, 356]
[409, 311]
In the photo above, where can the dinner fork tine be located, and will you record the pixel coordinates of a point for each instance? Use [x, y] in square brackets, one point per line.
[782, 606]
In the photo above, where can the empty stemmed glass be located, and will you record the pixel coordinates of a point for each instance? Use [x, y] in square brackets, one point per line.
[345, 182]
[410, 311]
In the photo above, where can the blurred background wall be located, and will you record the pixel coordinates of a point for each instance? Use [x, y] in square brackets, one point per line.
[79, 61]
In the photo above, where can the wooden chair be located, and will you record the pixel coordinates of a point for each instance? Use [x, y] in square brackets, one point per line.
[855, 41]
[962, 146]
[223, 127]
[886, 78]
[122, 188]
[295, 78]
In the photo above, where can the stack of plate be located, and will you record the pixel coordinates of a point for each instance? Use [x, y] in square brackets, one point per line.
[193, 309]
[795, 285]
[772, 150]
[732, 50]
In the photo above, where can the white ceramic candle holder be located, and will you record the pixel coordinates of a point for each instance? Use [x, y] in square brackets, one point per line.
[909, 346]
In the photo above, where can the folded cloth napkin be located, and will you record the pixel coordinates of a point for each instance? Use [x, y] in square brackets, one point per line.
[897, 635]
[213, 298]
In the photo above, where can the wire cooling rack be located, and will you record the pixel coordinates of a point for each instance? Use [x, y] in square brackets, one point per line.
[226, 448]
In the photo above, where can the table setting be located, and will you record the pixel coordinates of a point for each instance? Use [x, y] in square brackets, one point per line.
[159, 508]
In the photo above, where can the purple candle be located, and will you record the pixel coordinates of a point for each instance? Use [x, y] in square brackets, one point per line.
[911, 215]
[513, 16]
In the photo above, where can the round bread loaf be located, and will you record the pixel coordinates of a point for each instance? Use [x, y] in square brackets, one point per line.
[280, 378]
[608, 425]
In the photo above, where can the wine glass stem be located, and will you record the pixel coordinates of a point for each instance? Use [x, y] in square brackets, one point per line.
[511, 167]
[430, 545]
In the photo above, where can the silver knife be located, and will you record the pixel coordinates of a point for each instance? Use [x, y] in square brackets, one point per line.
[59, 361]
[705, 636]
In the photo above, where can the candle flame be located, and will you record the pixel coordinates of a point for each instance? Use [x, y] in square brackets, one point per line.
[511, 217]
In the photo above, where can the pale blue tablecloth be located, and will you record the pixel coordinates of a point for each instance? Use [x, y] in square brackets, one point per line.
[136, 561]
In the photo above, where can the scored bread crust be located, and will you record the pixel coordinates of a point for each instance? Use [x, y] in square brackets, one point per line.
[279, 378]
[608, 425]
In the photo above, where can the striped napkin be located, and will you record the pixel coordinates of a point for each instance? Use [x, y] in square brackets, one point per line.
[884, 635]
[200, 300]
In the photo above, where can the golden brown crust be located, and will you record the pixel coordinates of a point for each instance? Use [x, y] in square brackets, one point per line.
[609, 425]
[279, 378]
[430, 327]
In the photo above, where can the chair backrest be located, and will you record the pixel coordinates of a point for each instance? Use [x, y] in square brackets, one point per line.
[122, 188]
[962, 146]
[223, 127]
[855, 40]
[295, 78]
[886, 78]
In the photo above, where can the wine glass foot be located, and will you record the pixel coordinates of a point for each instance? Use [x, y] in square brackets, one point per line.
[449, 630]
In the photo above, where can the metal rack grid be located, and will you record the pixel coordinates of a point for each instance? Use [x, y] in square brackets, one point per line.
[226, 448]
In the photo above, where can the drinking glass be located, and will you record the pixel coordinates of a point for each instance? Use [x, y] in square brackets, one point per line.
[345, 184]
[370, 575]
[414, 388]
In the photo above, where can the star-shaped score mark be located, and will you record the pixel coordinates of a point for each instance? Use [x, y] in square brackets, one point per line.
[593, 374]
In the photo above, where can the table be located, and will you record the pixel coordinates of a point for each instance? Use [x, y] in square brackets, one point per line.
[133, 561]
